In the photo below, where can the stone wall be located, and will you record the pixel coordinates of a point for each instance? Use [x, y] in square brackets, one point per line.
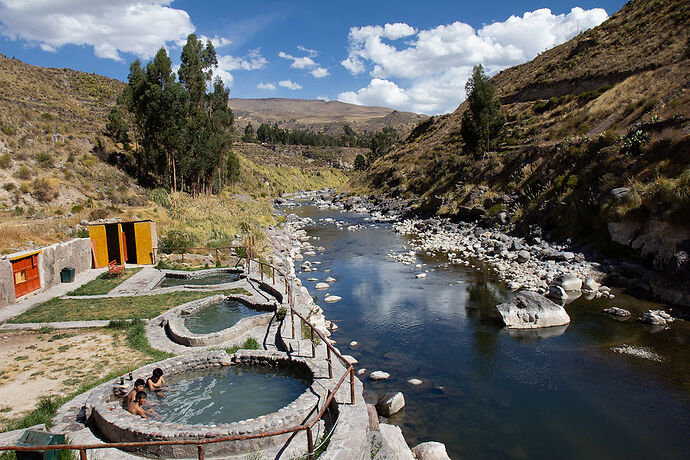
[52, 259]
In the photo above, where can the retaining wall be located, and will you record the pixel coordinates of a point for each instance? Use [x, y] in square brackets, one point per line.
[52, 259]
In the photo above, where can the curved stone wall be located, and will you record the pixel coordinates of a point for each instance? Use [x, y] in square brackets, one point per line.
[104, 409]
[175, 322]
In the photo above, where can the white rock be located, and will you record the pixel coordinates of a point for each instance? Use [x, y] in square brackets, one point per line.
[590, 285]
[332, 298]
[529, 310]
[421, 275]
[312, 279]
[362, 371]
[321, 286]
[431, 450]
[568, 282]
[414, 382]
[330, 279]
[354, 343]
[390, 404]
[556, 292]
[379, 375]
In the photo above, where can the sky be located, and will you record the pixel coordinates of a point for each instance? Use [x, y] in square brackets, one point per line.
[407, 55]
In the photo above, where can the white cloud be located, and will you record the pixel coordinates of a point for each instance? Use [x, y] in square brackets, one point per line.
[289, 84]
[310, 52]
[319, 72]
[218, 42]
[306, 62]
[130, 26]
[228, 63]
[266, 86]
[436, 62]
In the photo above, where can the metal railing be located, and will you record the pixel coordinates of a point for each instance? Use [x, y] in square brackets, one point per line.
[200, 443]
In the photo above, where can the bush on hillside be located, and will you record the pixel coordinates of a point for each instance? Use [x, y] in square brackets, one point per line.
[5, 160]
[24, 173]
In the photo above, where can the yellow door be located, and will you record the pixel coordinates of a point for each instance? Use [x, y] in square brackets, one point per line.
[121, 239]
[99, 243]
[142, 235]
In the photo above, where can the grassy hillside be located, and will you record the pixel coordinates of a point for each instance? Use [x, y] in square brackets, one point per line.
[606, 110]
[52, 176]
[317, 115]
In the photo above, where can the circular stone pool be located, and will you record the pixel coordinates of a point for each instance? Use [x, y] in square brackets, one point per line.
[213, 394]
[225, 395]
[218, 316]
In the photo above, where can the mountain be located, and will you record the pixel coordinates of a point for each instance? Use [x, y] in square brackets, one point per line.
[318, 115]
[596, 144]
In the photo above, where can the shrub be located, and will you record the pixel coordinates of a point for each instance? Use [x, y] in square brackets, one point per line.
[44, 190]
[98, 213]
[5, 161]
[160, 197]
[46, 117]
[631, 143]
[77, 208]
[45, 159]
[9, 186]
[24, 172]
[177, 239]
[8, 129]
[280, 314]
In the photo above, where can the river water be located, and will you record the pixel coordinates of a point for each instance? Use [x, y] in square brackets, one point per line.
[488, 393]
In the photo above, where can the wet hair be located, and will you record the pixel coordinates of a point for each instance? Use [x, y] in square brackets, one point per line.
[158, 372]
[139, 383]
[141, 395]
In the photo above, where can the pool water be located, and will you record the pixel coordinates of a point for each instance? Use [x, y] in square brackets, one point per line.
[226, 395]
[217, 278]
[218, 316]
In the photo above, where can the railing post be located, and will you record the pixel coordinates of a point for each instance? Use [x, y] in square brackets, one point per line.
[292, 315]
[313, 347]
[200, 451]
[82, 454]
[310, 445]
[352, 385]
[274, 276]
[330, 364]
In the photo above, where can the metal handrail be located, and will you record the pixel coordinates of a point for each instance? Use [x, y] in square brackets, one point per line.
[350, 370]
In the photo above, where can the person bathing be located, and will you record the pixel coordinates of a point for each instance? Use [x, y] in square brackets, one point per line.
[136, 407]
[156, 382]
[139, 385]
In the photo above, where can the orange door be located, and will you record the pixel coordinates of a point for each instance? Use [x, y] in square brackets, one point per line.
[26, 276]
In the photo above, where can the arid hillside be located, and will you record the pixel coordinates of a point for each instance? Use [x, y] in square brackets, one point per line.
[596, 143]
[317, 115]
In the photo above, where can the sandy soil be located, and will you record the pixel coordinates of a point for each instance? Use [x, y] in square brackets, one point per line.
[34, 365]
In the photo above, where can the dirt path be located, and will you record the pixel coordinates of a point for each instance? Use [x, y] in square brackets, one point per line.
[34, 365]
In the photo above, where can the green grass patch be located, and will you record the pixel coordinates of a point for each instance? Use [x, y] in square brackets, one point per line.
[143, 306]
[249, 344]
[104, 283]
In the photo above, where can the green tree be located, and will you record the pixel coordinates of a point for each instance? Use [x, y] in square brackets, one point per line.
[360, 162]
[482, 121]
[116, 128]
[249, 135]
[382, 142]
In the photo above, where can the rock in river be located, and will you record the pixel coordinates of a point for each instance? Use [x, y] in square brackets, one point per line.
[390, 404]
[321, 286]
[421, 275]
[332, 298]
[379, 375]
[528, 310]
[615, 311]
[430, 451]
[568, 282]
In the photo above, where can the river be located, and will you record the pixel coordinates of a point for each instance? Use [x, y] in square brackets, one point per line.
[488, 393]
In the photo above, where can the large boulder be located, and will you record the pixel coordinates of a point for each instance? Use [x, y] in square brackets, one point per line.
[390, 404]
[430, 451]
[568, 282]
[379, 375]
[529, 310]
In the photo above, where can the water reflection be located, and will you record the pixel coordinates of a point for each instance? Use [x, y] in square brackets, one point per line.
[492, 392]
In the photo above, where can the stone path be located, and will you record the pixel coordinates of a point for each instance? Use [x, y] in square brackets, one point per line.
[33, 300]
[54, 325]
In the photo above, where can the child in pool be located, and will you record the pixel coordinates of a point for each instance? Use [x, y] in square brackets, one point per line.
[139, 385]
[156, 382]
[136, 407]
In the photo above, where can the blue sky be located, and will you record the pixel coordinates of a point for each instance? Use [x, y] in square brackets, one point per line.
[408, 55]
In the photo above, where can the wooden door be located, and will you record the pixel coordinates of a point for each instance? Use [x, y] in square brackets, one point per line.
[99, 243]
[144, 245]
[26, 276]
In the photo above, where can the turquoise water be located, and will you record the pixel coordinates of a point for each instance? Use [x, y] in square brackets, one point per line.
[226, 395]
[218, 278]
[218, 316]
[493, 393]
